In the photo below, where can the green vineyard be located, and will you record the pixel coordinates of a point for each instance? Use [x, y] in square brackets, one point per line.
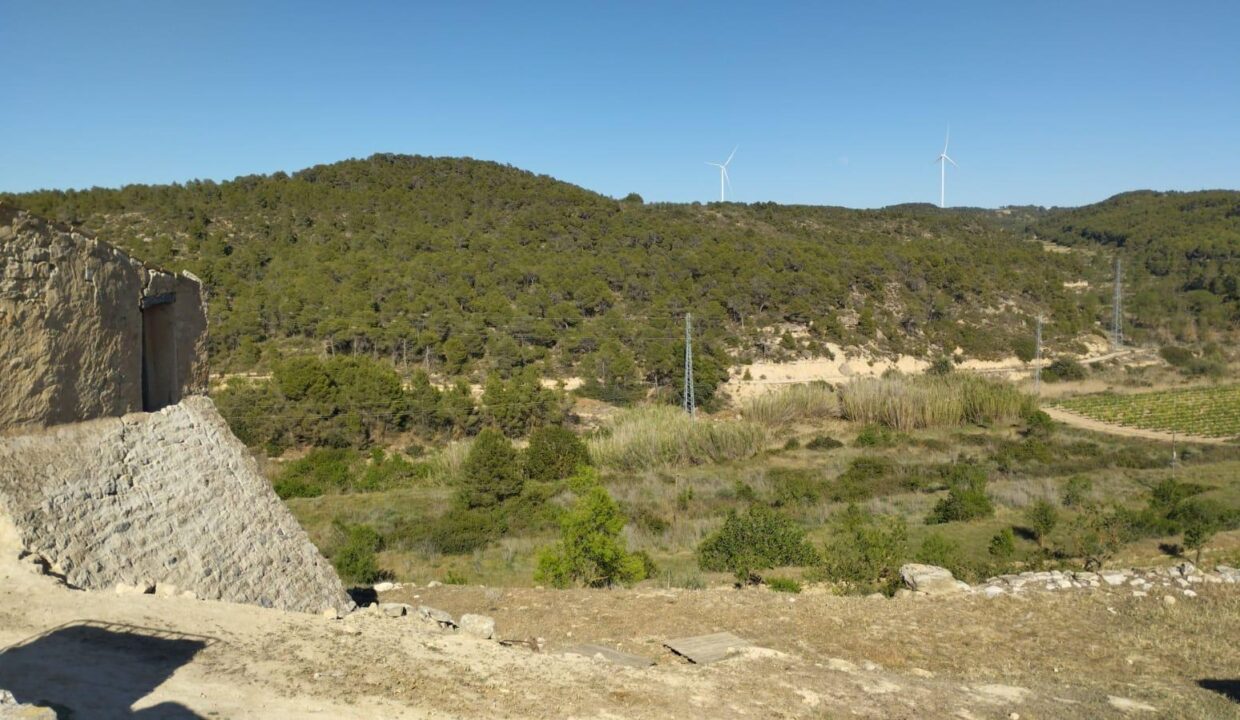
[1204, 411]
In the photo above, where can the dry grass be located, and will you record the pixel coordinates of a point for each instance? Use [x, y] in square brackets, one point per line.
[909, 403]
[661, 435]
[792, 404]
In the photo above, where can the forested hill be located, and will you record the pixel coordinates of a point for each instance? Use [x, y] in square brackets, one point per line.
[470, 266]
[1183, 248]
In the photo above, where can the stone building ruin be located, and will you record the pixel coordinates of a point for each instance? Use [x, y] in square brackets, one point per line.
[115, 467]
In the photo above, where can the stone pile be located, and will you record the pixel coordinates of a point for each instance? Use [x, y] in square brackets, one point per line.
[1181, 578]
[479, 626]
[921, 580]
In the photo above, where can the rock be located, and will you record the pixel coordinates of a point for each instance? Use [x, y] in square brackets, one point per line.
[394, 610]
[166, 590]
[189, 595]
[434, 584]
[875, 596]
[1005, 693]
[11, 708]
[331, 613]
[1168, 600]
[139, 588]
[436, 615]
[930, 579]
[1189, 593]
[841, 665]
[1185, 569]
[385, 587]
[1125, 705]
[903, 594]
[478, 625]
[1139, 593]
[992, 592]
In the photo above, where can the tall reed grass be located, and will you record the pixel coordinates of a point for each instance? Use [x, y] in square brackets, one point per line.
[658, 435]
[908, 403]
[446, 465]
[791, 404]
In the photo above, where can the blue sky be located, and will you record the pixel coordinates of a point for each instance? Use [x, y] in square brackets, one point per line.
[1051, 103]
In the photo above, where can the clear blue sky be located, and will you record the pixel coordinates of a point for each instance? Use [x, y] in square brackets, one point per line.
[1052, 103]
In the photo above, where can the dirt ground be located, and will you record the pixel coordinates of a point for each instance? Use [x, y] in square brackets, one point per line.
[103, 655]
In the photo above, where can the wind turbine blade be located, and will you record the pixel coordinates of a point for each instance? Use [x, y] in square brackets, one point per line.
[727, 178]
[953, 162]
[725, 162]
[947, 139]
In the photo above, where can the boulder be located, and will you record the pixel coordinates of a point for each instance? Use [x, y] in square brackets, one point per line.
[443, 618]
[384, 586]
[478, 625]
[11, 708]
[930, 579]
[394, 610]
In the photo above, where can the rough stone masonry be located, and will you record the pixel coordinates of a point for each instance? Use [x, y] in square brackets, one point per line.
[105, 495]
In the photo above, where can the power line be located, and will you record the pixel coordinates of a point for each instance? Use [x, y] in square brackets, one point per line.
[690, 404]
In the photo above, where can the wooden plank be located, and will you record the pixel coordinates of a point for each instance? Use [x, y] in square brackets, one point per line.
[705, 649]
[610, 655]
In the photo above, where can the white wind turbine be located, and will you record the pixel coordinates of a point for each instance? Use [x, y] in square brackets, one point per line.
[942, 160]
[723, 173]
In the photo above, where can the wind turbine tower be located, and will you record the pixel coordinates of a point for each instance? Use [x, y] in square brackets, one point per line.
[942, 160]
[723, 173]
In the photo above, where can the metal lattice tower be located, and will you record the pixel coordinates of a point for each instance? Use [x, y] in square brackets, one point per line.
[689, 402]
[1037, 359]
[1117, 312]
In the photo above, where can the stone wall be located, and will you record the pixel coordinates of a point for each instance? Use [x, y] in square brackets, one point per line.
[170, 498]
[71, 326]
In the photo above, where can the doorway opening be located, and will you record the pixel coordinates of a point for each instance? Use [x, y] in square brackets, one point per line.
[159, 353]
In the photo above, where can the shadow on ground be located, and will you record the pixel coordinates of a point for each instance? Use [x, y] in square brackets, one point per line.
[1229, 689]
[90, 669]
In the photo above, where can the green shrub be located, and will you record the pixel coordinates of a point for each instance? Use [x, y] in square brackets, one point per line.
[1002, 545]
[760, 539]
[1063, 370]
[865, 550]
[792, 444]
[591, 550]
[1177, 356]
[966, 496]
[321, 471]
[877, 436]
[869, 476]
[491, 472]
[554, 453]
[905, 403]
[355, 560]
[793, 487]
[941, 365]
[1039, 425]
[938, 550]
[462, 530]
[1199, 520]
[822, 443]
[783, 584]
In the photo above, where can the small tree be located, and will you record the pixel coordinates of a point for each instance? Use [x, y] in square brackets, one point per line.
[866, 550]
[554, 453]
[590, 551]
[1076, 490]
[491, 472]
[1002, 546]
[966, 496]
[1042, 518]
[758, 540]
[355, 560]
[1198, 521]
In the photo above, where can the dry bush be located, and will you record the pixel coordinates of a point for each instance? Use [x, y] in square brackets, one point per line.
[791, 404]
[658, 435]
